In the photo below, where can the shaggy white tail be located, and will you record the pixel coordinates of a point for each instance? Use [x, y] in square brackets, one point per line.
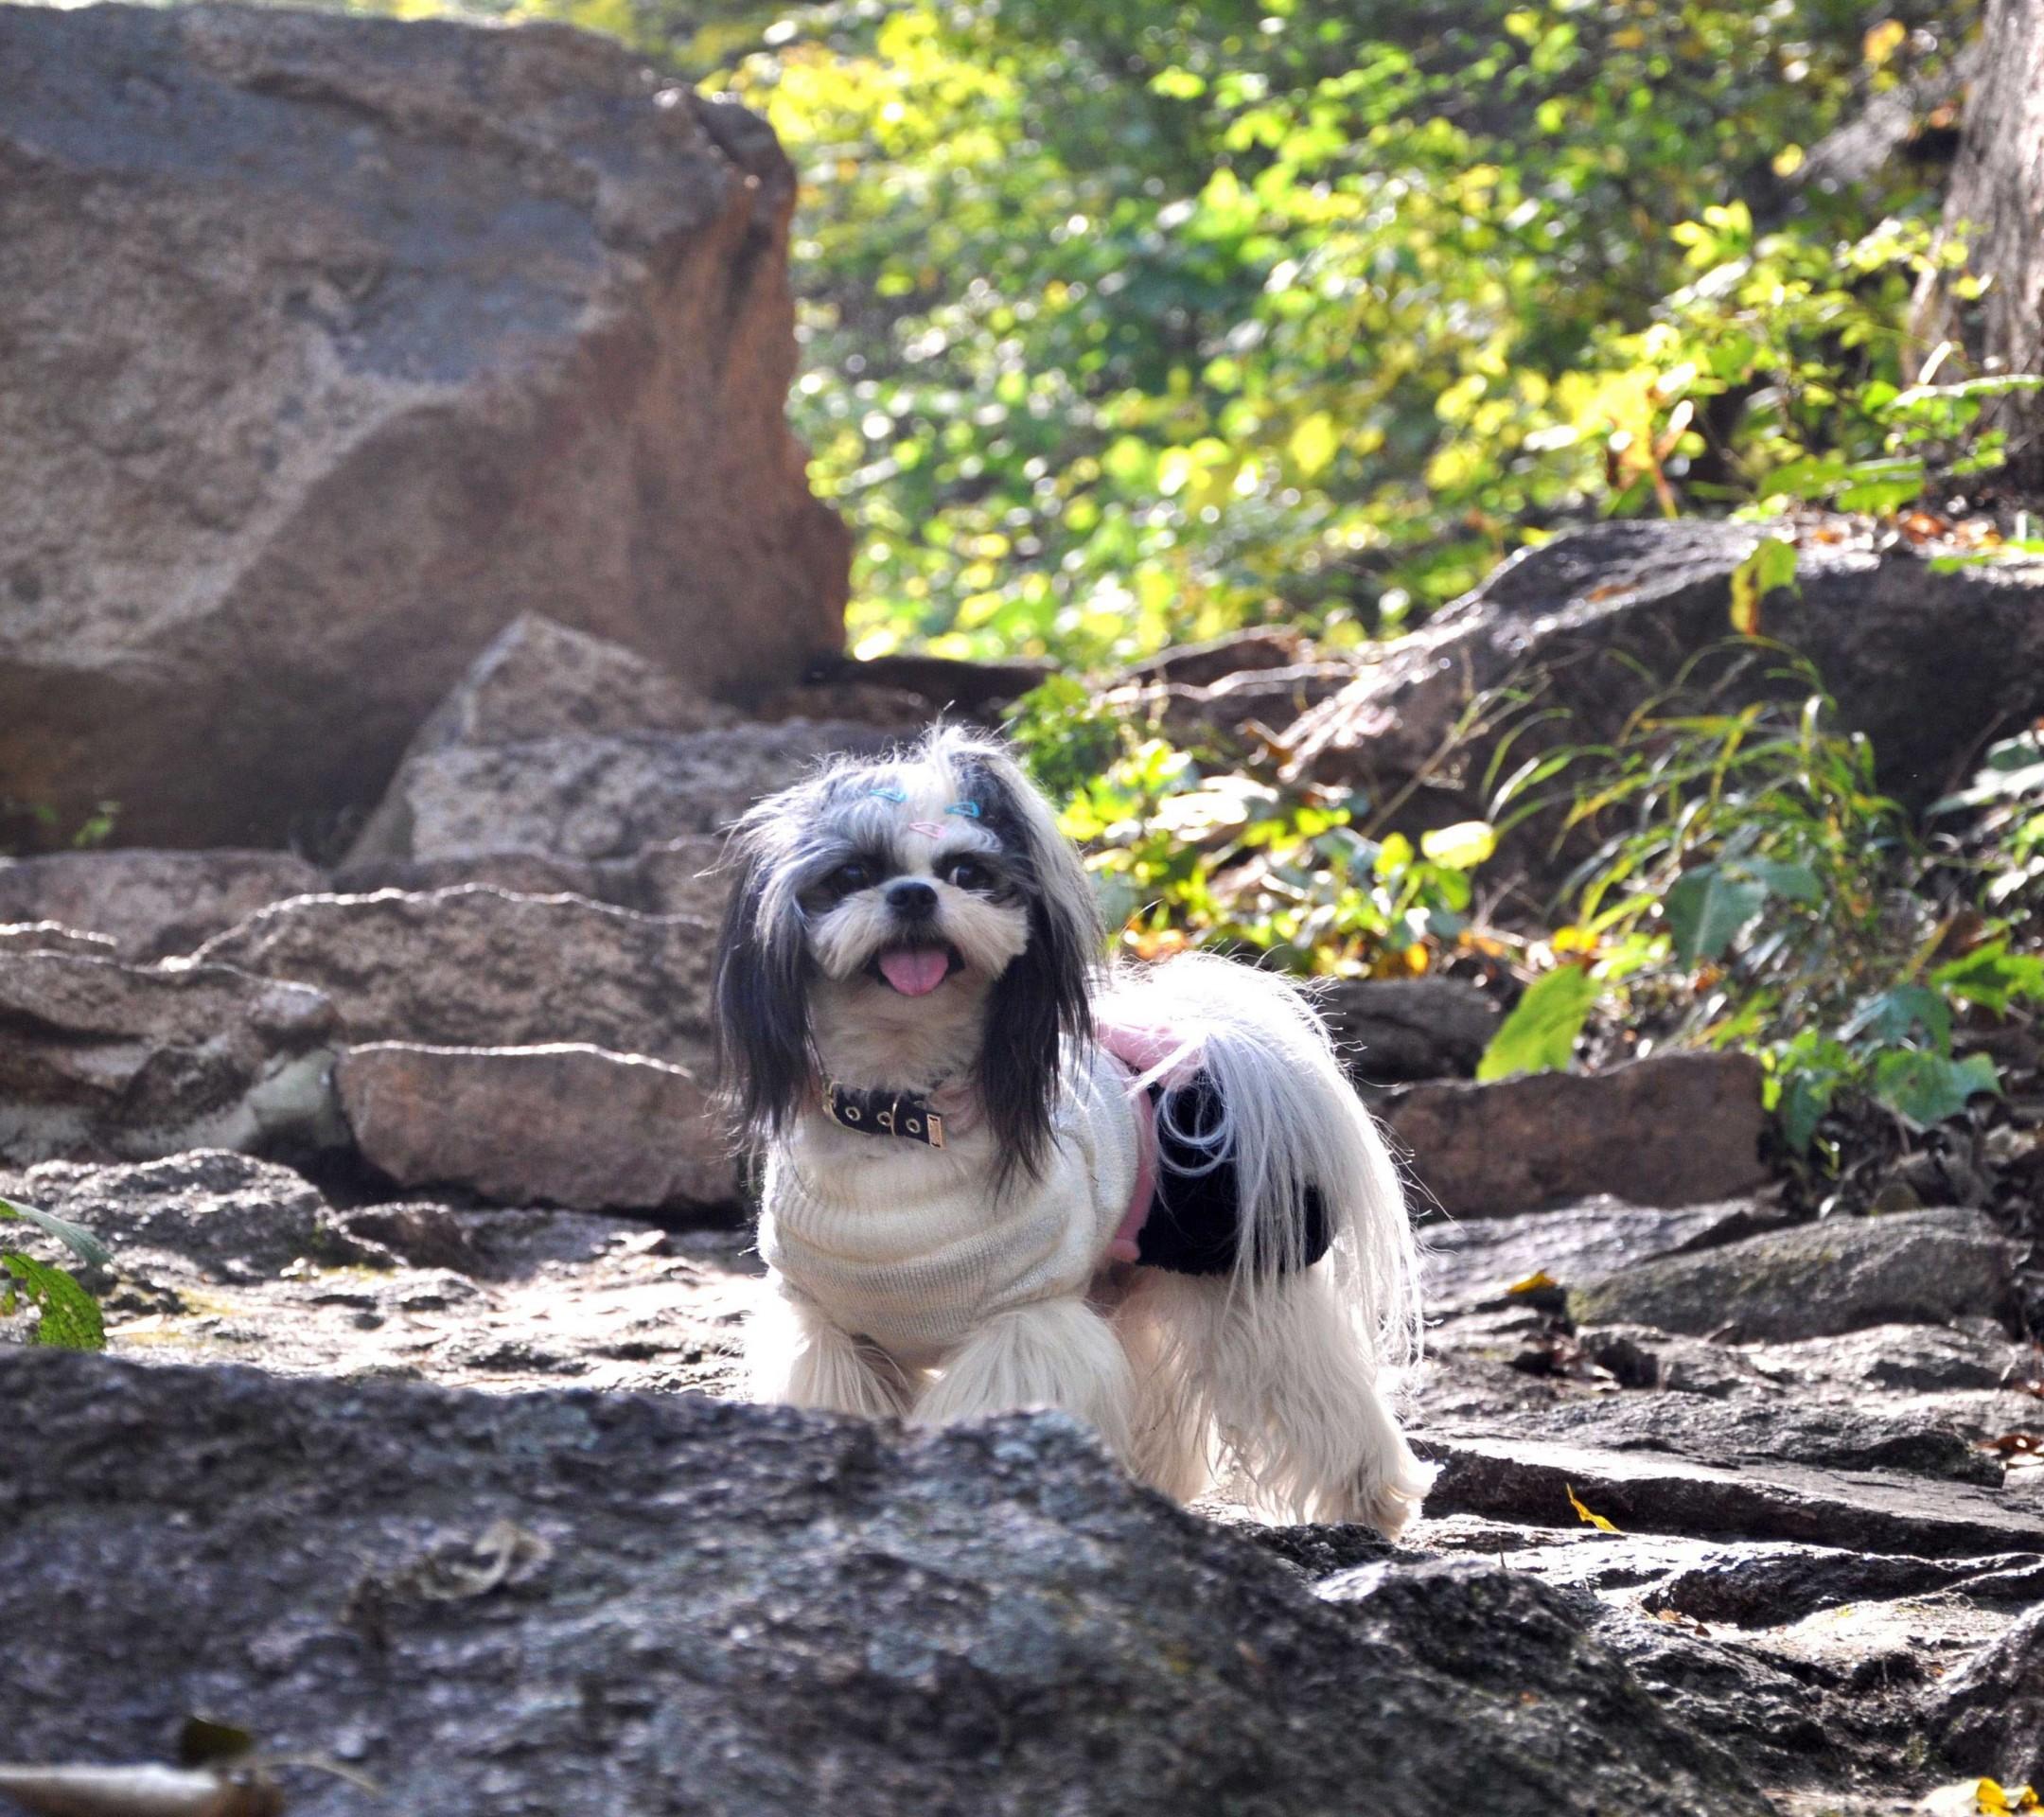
[1285, 1372]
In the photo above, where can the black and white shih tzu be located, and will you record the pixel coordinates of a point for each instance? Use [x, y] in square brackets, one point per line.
[1001, 1174]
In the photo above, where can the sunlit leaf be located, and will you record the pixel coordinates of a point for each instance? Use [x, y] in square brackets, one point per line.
[1539, 1034]
[1584, 1515]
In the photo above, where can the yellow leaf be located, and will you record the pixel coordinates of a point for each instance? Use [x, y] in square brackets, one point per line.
[1535, 1283]
[1313, 443]
[1462, 846]
[1582, 1513]
[1884, 40]
[1627, 38]
[2000, 1801]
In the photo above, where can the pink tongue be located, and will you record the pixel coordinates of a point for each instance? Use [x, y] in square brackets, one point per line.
[916, 974]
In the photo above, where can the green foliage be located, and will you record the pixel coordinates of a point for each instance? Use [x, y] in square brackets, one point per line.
[66, 1316]
[2005, 804]
[1759, 891]
[1185, 854]
[1539, 1034]
[1131, 322]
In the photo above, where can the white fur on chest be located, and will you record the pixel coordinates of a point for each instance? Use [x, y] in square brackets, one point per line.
[912, 1247]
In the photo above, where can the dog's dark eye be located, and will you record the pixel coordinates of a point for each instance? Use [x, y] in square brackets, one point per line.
[968, 874]
[847, 877]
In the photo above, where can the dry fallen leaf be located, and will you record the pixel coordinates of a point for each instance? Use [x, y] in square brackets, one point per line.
[1582, 1513]
[2014, 1444]
[1539, 1283]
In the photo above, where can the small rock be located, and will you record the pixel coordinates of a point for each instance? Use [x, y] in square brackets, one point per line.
[113, 1062]
[1817, 1279]
[1417, 1028]
[1675, 1129]
[152, 904]
[232, 1216]
[562, 1124]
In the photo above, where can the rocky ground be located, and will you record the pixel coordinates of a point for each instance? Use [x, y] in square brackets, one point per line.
[416, 1443]
[416, 1447]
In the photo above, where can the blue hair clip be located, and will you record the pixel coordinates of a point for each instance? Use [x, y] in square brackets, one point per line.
[970, 809]
[893, 795]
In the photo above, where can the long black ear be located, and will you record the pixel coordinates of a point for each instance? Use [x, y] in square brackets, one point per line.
[766, 1057]
[1044, 997]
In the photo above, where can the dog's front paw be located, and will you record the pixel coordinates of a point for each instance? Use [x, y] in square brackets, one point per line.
[1388, 1502]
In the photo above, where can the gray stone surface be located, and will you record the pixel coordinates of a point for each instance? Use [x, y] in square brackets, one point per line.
[563, 1125]
[592, 796]
[336, 346]
[1677, 1129]
[1923, 1267]
[566, 1601]
[1476, 1260]
[1418, 1028]
[152, 904]
[477, 966]
[1988, 1718]
[1606, 614]
[1529, 1479]
[106, 1060]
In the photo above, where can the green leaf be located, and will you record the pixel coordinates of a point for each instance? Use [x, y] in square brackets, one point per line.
[1992, 977]
[1891, 1016]
[1926, 1089]
[76, 1238]
[1706, 909]
[1773, 564]
[69, 1320]
[1539, 1034]
[1804, 1102]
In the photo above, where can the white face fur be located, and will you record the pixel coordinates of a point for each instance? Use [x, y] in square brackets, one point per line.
[910, 930]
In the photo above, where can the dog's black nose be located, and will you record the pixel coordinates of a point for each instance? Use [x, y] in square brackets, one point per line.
[910, 900]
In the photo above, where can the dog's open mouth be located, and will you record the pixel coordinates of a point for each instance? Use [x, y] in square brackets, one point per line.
[916, 971]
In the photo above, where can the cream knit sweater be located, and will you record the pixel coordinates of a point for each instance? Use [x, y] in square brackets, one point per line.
[907, 1246]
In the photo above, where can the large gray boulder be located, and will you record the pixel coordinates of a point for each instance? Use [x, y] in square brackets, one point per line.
[335, 344]
[1921, 661]
[566, 1601]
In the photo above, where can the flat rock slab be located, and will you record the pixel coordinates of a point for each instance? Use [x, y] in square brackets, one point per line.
[105, 1061]
[563, 1125]
[1816, 1280]
[1676, 1129]
[1475, 1260]
[564, 1602]
[595, 796]
[1936, 1440]
[219, 1257]
[152, 904]
[419, 327]
[1529, 1479]
[478, 967]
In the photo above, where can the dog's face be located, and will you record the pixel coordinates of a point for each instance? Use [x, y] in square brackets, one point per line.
[929, 893]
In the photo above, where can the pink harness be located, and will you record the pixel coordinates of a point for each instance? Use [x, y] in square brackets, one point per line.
[1140, 1048]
